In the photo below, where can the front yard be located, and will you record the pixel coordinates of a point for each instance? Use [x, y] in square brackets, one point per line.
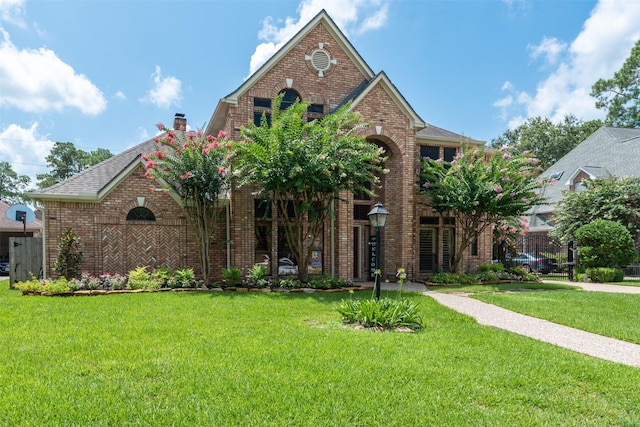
[224, 358]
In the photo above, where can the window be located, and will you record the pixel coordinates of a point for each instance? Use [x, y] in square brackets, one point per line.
[140, 214]
[449, 154]
[289, 97]
[430, 151]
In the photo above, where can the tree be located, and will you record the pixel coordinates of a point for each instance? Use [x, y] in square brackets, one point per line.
[12, 185]
[196, 168]
[547, 141]
[303, 166]
[614, 199]
[620, 95]
[65, 160]
[605, 243]
[479, 192]
[69, 255]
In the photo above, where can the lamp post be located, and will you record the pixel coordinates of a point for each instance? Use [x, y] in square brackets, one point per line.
[378, 217]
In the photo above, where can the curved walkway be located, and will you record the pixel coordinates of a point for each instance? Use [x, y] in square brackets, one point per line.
[563, 336]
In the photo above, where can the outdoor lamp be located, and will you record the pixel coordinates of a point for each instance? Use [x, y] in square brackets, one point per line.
[378, 218]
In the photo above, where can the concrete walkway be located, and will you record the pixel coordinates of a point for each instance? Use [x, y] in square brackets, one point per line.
[563, 336]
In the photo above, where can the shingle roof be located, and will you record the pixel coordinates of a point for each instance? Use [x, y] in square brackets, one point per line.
[90, 183]
[608, 151]
[434, 132]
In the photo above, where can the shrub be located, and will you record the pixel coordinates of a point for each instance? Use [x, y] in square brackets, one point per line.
[257, 275]
[487, 267]
[605, 274]
[161, 277]
[604, 243]
[183, 278]
[70, 256]
[385, 312]
[139, 278]
[232, 276]
[113, 281]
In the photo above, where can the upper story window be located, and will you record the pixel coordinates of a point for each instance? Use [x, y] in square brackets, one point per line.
[140, 214]
[262, 107]
[289, 97]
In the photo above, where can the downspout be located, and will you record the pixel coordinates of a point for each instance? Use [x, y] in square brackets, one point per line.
[44, 242]
[333, 238]
[228, 215]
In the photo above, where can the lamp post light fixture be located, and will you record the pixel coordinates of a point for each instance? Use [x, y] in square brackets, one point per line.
[378, 218]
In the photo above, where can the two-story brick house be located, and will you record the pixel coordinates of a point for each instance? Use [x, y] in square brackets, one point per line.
[123, 225]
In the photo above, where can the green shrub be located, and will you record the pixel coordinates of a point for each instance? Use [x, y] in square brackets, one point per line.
[454, 278]
[57, 286]
[183, 278]
[487, 267]
[70, 256]
[232, 276]
[604, 243]
[139, 278]
[161, 276]
[605, 274]
[385, 312]
[257, 275]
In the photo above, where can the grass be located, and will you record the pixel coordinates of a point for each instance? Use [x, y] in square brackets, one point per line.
[497, 287]
[609, 314]
[159, 359]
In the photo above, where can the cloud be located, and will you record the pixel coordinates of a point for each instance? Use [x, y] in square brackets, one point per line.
[36, 81]
[25, 149]
[166, 91]
[598, 51]
[355, 16]
[550, 48]
[11, 11]
[120, 95]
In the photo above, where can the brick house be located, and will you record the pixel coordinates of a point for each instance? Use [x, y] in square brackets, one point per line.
[124, 225]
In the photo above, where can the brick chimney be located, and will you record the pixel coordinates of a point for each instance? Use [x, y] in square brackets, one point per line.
[179, 122]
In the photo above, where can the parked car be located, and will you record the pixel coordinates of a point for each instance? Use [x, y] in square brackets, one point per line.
[4, 263]
[534, 263]
[286, 266]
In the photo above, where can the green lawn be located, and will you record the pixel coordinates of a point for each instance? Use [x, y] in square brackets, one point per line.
[609, 314]
[193, 359]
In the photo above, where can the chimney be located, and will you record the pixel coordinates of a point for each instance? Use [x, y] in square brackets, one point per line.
[179, 122]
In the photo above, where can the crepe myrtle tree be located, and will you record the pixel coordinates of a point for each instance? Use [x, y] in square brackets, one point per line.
[480, 190]
[196, 167]
[303, 165]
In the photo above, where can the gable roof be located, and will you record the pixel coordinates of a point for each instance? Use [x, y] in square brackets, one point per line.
[92, 184]
[434, 133]
[218, 118]
[609, 151]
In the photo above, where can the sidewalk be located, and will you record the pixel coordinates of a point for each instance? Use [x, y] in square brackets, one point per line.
[563, 336]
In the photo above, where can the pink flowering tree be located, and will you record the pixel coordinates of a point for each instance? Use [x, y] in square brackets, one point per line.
[480, 191]
[196, 167]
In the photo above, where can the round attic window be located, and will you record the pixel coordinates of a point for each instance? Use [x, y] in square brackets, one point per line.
[320, 60]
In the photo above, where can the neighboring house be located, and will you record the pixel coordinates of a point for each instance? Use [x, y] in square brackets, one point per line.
[607, 152]
[124, 225]
[11, 227]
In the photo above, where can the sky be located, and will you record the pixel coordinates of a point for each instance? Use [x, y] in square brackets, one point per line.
[102, 73]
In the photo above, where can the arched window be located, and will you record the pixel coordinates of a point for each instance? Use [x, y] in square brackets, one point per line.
[140, 214]
[289, 96]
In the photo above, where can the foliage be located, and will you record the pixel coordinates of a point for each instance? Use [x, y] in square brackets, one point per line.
[257, 275]
[620, 95]
[140, 278]
[546, 140]
[303, 166]
[487, 267]
[327, 282]
[384, 313]
[65, 160]
[478, 192]
[613, 198]
[195, 167]
[12, 185]
[605, 274]
[605, 243]
[182, 278]
[70, 256]
[487, 273]
[162, 276]
[231, 276]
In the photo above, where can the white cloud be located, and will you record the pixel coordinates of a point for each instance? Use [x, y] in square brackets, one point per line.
[598, 51]
[356, 16]
[36, 80]
[550, 48]
[11, 11]
[166, 91]
[120, 95]
[25, 149]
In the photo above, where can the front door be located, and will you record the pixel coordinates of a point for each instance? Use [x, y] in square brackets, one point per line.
[428, 250]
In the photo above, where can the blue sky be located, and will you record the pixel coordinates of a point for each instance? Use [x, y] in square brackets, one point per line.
[102, 73]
